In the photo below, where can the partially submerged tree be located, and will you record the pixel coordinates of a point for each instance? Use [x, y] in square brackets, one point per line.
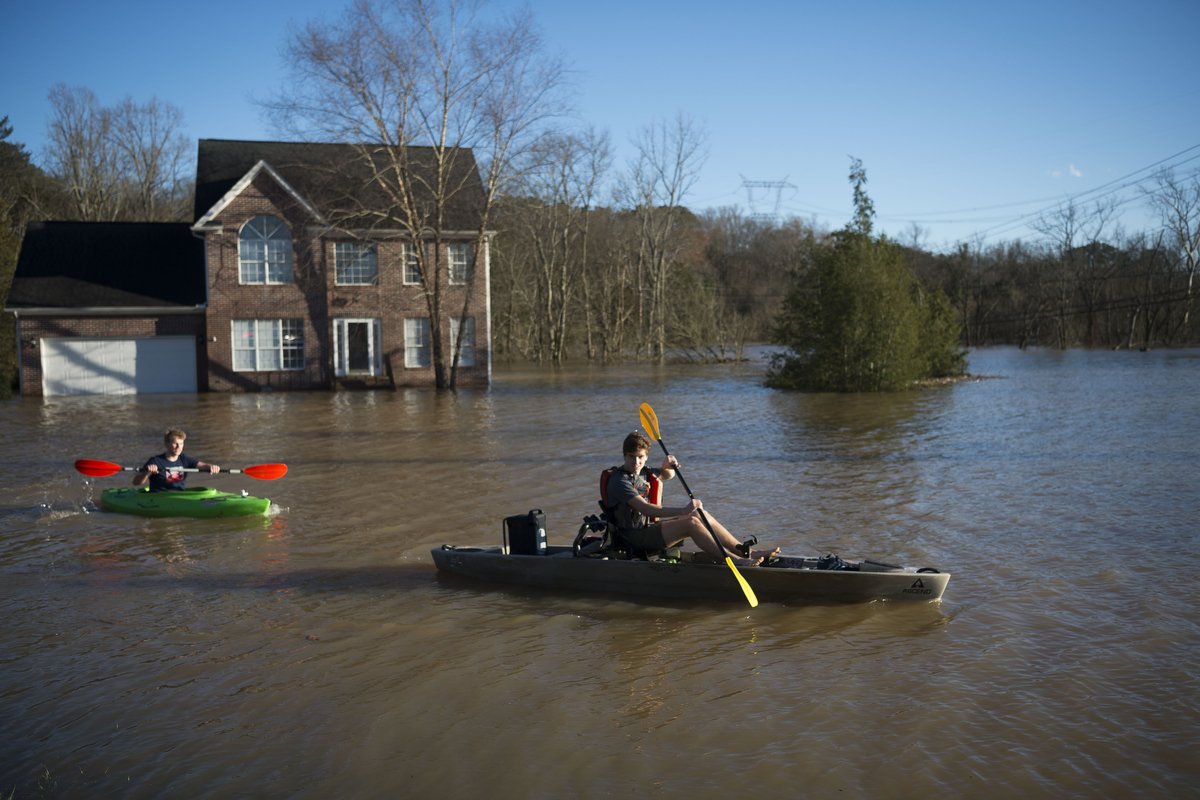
[1177, 201]
[667, 163]
[425, 89]
[859, 320]
[547, 236]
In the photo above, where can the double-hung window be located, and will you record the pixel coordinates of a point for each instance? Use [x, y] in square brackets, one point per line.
[417, 351]
[264, 252]
[460, 263]
[412, 265]
[466, 353]
[355, 263]
[261, 345]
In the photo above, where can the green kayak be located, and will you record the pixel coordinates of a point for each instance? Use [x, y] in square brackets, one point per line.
[202, 501]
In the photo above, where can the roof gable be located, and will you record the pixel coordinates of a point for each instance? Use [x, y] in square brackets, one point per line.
[246, 180]
[334, 180]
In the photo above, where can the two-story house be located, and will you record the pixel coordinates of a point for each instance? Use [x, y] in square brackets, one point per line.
[293, 275]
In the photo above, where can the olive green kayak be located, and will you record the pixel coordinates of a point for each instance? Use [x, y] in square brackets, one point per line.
[202, 501]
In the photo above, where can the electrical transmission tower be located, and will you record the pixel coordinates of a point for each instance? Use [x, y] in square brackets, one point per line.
[758, 193]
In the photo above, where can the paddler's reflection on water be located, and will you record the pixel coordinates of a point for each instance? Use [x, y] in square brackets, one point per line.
[165, 470]
[627, 501]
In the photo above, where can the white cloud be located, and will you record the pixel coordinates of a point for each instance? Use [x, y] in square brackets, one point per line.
[1072, 170]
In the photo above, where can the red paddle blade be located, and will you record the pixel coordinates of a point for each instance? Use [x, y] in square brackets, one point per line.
[97, 469]
[266, 472]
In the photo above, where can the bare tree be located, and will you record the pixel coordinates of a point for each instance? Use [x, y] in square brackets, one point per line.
[152, 155]
[1178, 203]
[422, 87]
[559, 186]
[669, 156]
[128, 162]
[80, 153]
[609, 290]
[1072, 231]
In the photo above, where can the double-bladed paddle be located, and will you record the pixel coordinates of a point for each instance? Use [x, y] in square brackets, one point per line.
[102, 469]
[650, 423]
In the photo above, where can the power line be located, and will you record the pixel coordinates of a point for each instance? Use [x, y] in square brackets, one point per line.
[1006, 223]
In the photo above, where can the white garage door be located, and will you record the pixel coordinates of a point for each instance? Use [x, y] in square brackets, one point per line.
[119, 366]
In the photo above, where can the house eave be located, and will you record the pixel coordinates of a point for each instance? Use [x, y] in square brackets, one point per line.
[105, 311]
[389, 233]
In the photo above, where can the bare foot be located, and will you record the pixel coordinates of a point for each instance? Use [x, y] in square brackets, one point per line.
[753, 561]
[764, 555]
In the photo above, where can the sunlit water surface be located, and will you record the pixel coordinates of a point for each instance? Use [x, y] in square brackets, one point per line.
[316, 652]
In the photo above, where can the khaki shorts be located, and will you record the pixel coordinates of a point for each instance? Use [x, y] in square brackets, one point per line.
[647, 538]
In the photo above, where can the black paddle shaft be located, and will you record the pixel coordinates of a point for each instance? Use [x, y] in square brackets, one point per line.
[703, 516]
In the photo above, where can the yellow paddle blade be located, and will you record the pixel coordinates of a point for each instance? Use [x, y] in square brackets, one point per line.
[650, 421]
[751, 598]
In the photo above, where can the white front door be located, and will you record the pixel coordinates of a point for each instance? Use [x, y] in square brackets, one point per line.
[356, 348]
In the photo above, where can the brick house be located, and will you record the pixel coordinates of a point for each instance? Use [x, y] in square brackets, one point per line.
[287, 279]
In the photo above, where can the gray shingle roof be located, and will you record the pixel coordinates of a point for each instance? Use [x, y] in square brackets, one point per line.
[108, 265]
[334, 178]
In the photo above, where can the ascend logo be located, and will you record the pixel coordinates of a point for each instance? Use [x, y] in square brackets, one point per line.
[918, 587]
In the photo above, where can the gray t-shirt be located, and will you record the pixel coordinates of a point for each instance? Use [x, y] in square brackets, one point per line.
[623, 487]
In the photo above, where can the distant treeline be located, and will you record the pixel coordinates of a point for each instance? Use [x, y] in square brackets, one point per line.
[1137, 293]
[575, 283]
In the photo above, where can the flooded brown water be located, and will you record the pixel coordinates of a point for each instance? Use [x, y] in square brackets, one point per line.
[316, 652]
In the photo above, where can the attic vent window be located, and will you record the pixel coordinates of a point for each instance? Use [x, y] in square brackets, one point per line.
[265, 252]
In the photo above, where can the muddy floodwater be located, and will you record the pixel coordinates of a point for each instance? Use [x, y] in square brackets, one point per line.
[316, 652]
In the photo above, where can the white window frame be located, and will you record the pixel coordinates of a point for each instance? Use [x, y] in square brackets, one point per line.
[264, 252]
[417, 350]
[458, 257]
[412, 264]
[341, 344]
[355, 263]
[273, 343]
[467, 357]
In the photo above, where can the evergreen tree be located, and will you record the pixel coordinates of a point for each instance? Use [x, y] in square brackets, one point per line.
[19, 179]
[859, 320]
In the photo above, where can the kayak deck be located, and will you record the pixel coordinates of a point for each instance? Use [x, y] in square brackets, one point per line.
[200, 502]
[786, 579]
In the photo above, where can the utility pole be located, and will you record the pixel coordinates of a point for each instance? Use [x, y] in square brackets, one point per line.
[759, 191]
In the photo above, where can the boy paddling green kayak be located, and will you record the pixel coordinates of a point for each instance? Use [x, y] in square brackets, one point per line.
[167, 495]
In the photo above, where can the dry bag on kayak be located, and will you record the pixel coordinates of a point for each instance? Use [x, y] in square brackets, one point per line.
[525, 534]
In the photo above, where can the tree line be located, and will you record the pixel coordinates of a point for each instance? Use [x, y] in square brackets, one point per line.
[572, 280]
[1084, 282]
[593, 259]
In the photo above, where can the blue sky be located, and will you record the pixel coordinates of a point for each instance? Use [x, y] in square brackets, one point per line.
[970, 118]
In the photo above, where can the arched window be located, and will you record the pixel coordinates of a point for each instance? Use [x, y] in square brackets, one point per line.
[265, 251]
